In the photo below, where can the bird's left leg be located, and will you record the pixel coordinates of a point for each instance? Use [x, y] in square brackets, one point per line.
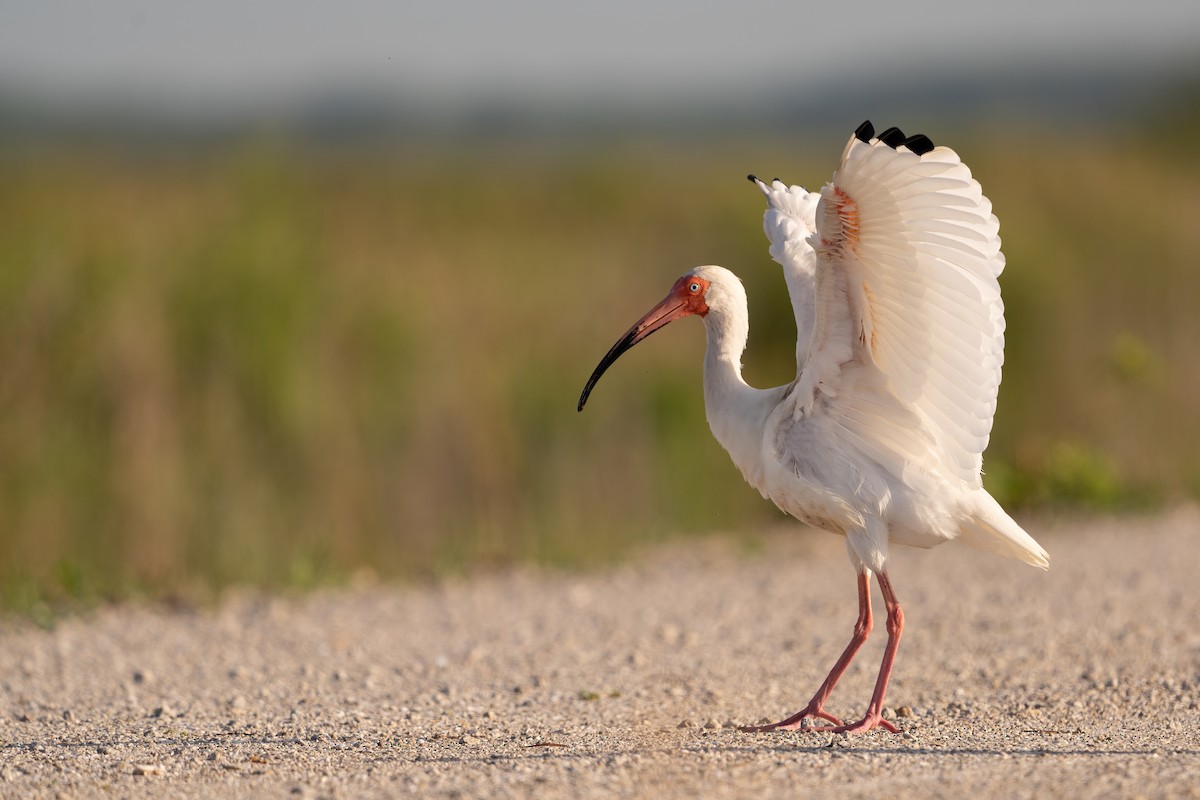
[895, 626]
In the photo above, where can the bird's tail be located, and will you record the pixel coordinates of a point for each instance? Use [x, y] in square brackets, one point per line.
[991, 528]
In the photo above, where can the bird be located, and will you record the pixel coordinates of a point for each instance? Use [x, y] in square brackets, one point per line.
[892, 271]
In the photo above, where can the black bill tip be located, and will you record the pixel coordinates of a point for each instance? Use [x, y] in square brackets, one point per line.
[624, 343]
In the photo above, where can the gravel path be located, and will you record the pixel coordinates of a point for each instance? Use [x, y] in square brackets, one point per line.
[1011, 682]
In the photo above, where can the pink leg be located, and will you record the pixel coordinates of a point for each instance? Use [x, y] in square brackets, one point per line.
[816, 706]
[895, 626]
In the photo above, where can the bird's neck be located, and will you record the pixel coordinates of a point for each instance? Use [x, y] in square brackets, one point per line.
[736, 411]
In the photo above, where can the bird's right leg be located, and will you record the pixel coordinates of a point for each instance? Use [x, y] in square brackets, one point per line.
[816, 706]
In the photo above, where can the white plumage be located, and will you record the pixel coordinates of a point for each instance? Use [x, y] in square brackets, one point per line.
[892, 270]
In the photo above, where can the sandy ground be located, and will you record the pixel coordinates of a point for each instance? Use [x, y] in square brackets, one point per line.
[1011, 682]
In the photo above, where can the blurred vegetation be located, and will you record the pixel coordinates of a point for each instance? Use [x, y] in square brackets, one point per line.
[277, 366]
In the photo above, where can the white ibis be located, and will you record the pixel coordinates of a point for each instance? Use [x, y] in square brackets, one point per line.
[892, 272]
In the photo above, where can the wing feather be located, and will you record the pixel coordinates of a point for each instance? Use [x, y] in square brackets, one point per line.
[789, 221]
[896, 267]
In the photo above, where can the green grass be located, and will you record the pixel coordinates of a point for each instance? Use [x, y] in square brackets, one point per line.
[273, 366]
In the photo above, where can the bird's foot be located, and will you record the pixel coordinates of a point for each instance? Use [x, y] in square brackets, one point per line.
[794, 722]
[871, 721]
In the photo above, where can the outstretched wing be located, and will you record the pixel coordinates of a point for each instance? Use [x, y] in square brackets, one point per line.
[906, 252]
[789, 221]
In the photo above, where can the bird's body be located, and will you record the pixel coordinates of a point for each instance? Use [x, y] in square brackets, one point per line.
[817, 469]
[892, 270]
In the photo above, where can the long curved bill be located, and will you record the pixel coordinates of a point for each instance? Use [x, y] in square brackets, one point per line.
[671, 308]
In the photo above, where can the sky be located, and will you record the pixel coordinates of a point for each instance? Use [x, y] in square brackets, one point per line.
[247, 52]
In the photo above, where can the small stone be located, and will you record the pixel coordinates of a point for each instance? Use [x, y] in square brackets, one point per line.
[838, 740]
[68, 715]
[712, 725]
[904, 711]
[468, 739]
[148, 769]
[687, 723]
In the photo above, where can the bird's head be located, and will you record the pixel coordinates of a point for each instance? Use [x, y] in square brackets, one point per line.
[696, 292]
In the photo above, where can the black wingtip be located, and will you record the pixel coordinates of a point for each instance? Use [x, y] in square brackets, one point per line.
[919, 144]
[893, 137]
[752, 178]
